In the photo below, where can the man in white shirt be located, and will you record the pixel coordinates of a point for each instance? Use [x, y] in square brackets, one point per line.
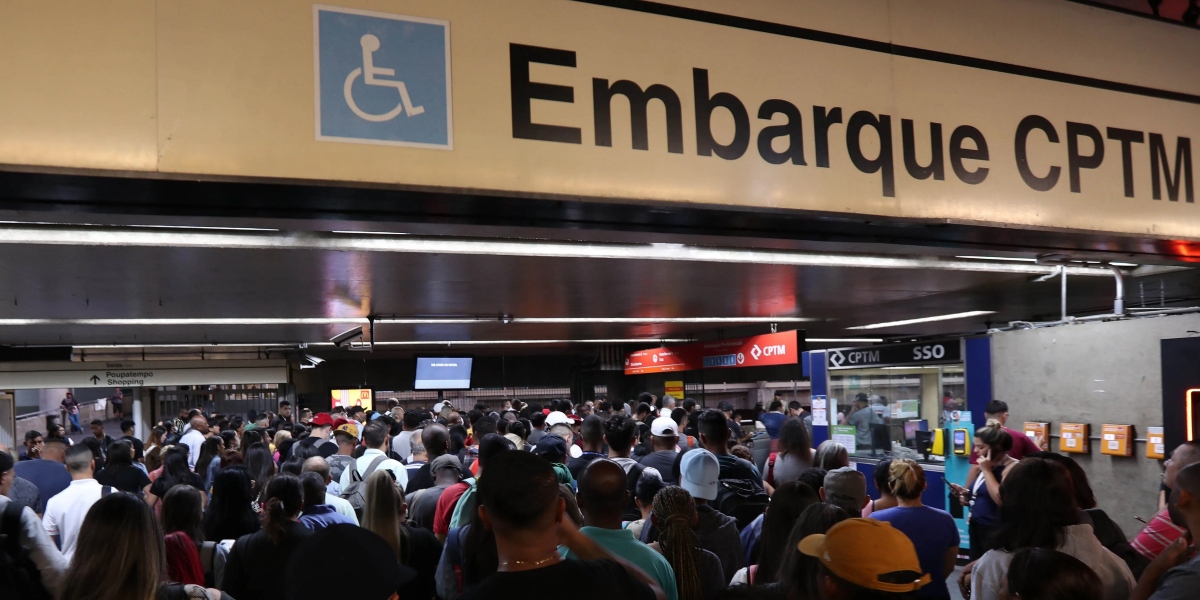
[402, 443]
[375, 436]
[49, 561]
[66, 510]
[194, 438]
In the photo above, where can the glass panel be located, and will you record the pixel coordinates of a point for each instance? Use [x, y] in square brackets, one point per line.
[886, 406]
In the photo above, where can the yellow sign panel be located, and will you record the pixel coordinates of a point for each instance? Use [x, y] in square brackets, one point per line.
[1074, 438]
[556, 98]
[674, 389]
[1116, 440]
[1155, 443]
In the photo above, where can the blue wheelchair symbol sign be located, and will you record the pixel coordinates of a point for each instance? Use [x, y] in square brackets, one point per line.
[382, 78]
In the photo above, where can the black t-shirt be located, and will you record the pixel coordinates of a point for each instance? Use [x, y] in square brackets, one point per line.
[590, 580]
[125, 479]
[161, 486]
[577, 465]
[664, 462]
[420, 480]
[424, 552]
[325, 448]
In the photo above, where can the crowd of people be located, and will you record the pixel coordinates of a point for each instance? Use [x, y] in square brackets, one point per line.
[644, 500]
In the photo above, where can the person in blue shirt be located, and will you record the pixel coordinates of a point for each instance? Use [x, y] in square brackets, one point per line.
[932, 531]
[773, 420]
[317, 514]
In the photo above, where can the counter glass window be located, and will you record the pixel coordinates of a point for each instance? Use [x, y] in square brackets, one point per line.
[883, 408]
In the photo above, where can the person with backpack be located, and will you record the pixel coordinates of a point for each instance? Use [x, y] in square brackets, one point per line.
[741, 494]
[182, 511]
[354, 478]
[31, 567]
[619, 433]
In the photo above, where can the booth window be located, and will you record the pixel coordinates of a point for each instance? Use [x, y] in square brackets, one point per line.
[896, 402]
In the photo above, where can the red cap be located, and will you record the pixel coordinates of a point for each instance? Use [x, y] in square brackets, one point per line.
[338, 422]
[322, 420]
[545, 411]
[574, 417]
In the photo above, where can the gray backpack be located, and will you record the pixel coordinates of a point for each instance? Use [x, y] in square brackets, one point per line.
[356, 492]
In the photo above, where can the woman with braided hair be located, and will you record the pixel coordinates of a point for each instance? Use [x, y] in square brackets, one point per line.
[698, 573]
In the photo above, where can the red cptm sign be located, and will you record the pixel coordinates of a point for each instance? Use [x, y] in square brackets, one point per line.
[756, 351]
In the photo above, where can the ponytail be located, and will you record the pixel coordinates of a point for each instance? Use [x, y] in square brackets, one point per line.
[995, 436]
[674, 511]
[285, 498]
[906, 479]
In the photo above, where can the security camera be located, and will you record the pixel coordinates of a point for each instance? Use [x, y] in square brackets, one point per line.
[309, 361]
[345, 337]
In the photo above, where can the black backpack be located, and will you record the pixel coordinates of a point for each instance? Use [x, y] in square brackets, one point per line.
[742, 499]
[19, 576]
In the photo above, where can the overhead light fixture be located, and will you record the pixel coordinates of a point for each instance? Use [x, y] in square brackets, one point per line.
[506, 318]
[293, 345]
[844, 340]
[1034, 260]
[77, 235]
[181, 322]
[950, 317]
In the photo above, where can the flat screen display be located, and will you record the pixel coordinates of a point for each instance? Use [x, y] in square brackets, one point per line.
[349, 398]
[443, 373]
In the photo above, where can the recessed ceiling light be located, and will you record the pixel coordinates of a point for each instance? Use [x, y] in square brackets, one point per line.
[844, 340]
[950, 317]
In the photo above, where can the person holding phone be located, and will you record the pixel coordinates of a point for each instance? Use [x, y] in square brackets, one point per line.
[983, 493]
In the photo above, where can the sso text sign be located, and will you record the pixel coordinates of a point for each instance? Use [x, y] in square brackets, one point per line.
[918, 353]
[382, 78]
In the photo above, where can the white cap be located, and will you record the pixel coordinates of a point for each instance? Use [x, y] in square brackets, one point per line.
[664, 427]
[699, 472]
[575, 451]
[437, 408]
[557, 417]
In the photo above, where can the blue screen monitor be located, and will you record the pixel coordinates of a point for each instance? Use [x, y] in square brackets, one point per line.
[443, 373]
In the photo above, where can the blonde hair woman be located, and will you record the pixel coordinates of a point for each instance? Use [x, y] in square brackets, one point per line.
[385, 515]
[932, 531]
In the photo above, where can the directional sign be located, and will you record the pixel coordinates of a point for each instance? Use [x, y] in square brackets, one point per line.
[781, 348]
[25, 376]
[918, 353]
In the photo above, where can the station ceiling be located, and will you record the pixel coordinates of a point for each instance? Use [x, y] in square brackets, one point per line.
[68, 293]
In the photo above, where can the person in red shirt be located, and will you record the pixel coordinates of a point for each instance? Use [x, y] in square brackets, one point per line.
[1161, 531]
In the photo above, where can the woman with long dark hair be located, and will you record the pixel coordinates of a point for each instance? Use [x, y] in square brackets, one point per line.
[262, 468]
[182, 511]
[209, 460]
[414, 547]
[795, 454]
[1039, 574]
[797, 574]
[787, 504]
[230, 514]
[258, 559]
[120, 555]
[698, 572]
[175, 472]
[1039, 511]
[119, 472]
[886, 499]
[983, 494]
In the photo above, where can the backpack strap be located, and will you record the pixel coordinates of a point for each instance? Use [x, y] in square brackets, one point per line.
[10, 528]
[771, 468]
[750, 573]
[106, 490]
[208, 555]
[374, 465]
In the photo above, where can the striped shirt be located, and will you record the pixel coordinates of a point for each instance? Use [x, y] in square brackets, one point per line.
[1159, 533]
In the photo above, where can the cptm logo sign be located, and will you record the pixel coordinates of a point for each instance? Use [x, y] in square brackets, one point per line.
[382, 78]
[776, 350]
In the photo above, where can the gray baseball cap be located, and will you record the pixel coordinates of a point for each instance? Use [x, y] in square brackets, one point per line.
[445, 461]
[847, 483]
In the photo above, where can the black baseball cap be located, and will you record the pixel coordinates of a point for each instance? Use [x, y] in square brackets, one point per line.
[552, 448]
[725, 407]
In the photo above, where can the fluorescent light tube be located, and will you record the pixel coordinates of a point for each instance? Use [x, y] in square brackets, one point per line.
[950, 317]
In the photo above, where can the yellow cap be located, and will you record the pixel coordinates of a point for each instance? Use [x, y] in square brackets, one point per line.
[867, 553]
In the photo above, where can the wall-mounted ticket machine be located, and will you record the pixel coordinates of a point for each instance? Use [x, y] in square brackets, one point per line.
[962, 442]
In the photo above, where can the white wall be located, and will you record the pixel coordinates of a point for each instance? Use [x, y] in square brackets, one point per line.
[1094, 373]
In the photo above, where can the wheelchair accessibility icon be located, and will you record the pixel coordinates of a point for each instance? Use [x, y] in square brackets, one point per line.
[381, 78]
[369, 72]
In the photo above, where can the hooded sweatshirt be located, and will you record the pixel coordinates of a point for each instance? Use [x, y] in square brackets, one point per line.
[717, 533]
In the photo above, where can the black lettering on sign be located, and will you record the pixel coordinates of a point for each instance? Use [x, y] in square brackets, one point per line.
[793, 129]
[883, 162]
[524, 92]
[639, 99]
[958, 154]
[936, 166]
[1077, 161]
[822, 121]
[1027, 125]
[705, 105]
[1159, 165]
[1128, 138]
